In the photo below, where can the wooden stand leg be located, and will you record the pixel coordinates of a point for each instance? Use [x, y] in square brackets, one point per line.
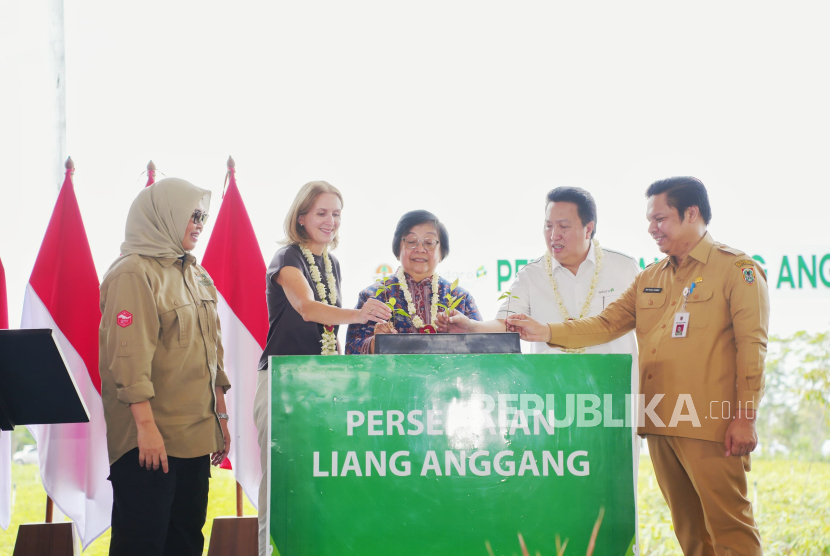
[238, 499]
[46, 539]
[234, 535]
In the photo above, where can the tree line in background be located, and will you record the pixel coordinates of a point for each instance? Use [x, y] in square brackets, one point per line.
[794, 416]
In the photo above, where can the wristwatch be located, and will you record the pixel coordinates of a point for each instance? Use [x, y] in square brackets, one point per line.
[223, 416]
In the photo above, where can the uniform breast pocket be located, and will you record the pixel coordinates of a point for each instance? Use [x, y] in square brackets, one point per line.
[650, 309]
[176, 324]
[699, 305]
[211, 314]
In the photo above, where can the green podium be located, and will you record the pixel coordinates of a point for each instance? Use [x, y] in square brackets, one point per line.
[450, 454]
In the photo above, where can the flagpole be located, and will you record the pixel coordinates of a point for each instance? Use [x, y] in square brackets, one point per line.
[57, 59]
[234, 260]
[69, 166]
[231, 170]
[72, 457]
[151, 174]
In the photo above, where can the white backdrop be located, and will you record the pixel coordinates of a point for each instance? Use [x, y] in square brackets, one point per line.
[473, 110]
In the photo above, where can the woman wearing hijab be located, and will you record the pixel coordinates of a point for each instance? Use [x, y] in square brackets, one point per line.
[162, 379]
[420, 242]
[304, 302]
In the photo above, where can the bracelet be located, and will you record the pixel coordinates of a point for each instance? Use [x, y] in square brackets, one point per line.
[223, 416]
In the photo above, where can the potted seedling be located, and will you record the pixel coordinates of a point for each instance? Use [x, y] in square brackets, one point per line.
[390, 302]
[452, 301]
[508, 295]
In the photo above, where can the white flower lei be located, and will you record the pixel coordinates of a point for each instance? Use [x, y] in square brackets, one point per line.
[329, 341]
[433, 309]
[585, 306]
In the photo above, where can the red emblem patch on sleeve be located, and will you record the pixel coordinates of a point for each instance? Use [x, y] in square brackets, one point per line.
[125, 319]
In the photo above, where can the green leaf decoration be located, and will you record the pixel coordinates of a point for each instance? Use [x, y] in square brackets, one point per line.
[444, 307]
[402, 312]
[454, 284]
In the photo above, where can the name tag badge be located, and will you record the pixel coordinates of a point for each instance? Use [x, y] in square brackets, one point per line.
[681, 325]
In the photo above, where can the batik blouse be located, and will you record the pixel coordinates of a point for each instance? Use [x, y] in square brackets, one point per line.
[359, 336]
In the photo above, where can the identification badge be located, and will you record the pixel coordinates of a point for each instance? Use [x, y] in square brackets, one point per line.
[681, 325]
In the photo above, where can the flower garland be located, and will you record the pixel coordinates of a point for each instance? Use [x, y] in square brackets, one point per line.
[329, 341]
[433, 310]
[585, 306]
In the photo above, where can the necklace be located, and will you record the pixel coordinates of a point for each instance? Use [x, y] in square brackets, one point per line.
[586, 307]
[433, 309]
[329, 341]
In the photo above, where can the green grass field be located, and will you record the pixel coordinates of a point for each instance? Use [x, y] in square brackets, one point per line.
[30, 506]
[791, 502]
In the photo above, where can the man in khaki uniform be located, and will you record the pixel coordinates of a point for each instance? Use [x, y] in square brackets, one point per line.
[701, 316]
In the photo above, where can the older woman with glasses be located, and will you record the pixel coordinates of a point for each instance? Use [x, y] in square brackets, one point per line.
[416, 291]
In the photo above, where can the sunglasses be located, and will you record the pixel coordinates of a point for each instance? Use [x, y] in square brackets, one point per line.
[200, 217]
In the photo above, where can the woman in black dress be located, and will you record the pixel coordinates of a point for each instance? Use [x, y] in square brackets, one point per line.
[304, 302]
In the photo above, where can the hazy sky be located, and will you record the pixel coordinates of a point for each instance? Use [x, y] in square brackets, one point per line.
[473, 110]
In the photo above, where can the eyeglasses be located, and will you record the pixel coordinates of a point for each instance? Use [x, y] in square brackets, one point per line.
[413, 242]
[200, 217]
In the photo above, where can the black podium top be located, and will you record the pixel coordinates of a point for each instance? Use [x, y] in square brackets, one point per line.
[37, 388]
[488, 342]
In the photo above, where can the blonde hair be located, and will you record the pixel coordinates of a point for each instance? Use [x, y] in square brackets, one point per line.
[305, 199]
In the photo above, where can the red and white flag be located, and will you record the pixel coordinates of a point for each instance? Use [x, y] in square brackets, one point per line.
[62, 294]
[234, 261]
[5, 436]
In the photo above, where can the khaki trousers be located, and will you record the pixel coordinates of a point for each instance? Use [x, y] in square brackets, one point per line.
[707, 496]
[261, 420]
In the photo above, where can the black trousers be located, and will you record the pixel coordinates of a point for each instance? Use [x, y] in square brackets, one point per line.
[156, 513]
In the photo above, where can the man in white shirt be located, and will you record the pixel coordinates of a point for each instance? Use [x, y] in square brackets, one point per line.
[575, 278]
[572, 264]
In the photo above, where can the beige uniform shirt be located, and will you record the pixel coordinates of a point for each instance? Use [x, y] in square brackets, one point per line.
[159, 340]
[718, 367]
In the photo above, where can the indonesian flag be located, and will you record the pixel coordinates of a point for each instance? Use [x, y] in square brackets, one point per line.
[62, 294]
[234, 261]
[5, 436]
